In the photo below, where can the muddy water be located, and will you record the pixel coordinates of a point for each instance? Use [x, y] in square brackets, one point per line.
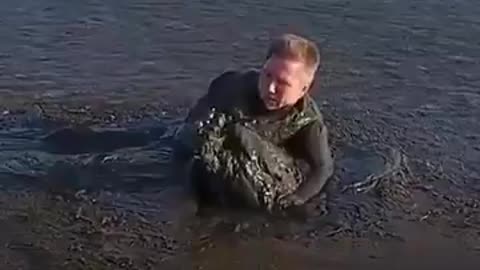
[395, 74]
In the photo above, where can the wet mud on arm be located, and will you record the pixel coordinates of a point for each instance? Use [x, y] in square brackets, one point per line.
[312, 142]
[184, 145]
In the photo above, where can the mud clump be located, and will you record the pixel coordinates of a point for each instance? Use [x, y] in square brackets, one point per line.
[240, 162]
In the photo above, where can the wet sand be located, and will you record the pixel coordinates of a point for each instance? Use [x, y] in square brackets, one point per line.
[103, 212]
[52, 234]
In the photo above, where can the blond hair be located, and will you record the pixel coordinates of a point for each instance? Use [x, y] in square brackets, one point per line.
[295, 47]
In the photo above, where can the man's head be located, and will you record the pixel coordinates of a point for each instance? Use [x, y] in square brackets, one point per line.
[288, 72]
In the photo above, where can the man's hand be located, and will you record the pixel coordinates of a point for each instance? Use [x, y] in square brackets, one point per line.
[291, 200]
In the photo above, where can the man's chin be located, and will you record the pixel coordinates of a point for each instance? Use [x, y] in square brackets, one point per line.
[272, 107]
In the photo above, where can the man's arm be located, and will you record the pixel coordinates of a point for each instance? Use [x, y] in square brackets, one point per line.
[185, 138]
[312, 142]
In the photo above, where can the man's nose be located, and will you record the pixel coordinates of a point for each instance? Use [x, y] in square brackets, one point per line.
[271, 88]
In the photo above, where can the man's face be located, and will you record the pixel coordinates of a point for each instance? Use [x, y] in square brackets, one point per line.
[283, 82]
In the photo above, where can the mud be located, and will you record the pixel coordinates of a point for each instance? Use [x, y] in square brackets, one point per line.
[110, 209]
[258, 172]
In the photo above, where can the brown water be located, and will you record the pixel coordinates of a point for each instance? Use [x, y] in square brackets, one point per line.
[402, 73]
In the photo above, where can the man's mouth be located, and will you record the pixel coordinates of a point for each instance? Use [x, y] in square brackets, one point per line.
[271, 102]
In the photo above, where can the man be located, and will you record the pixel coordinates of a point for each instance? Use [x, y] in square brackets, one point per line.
[257, 136]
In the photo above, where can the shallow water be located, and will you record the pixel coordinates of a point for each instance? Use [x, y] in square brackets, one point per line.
[407, 65]
[407, 70]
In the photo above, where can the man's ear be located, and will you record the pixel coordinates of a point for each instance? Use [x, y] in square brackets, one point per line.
[310, 82]
[309, 86]
[313, 84]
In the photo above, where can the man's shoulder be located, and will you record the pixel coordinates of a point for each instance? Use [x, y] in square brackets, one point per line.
[311, 109]
[233, 78]
[231, 88]
[313, 126]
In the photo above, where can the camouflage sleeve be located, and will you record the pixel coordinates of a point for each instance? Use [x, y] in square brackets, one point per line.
[186, 135]
[313, 143]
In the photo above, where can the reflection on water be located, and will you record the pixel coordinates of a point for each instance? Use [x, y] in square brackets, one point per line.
[388, 61]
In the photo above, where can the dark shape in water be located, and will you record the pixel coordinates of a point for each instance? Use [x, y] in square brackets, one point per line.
[77, 140]
[394, 163]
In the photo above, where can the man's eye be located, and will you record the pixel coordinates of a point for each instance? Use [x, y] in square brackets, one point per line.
[282, 88]
[282, 84]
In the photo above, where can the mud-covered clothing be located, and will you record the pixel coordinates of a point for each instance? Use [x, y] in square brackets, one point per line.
[286, 148]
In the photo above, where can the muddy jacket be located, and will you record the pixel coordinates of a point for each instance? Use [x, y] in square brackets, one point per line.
[299, 130]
